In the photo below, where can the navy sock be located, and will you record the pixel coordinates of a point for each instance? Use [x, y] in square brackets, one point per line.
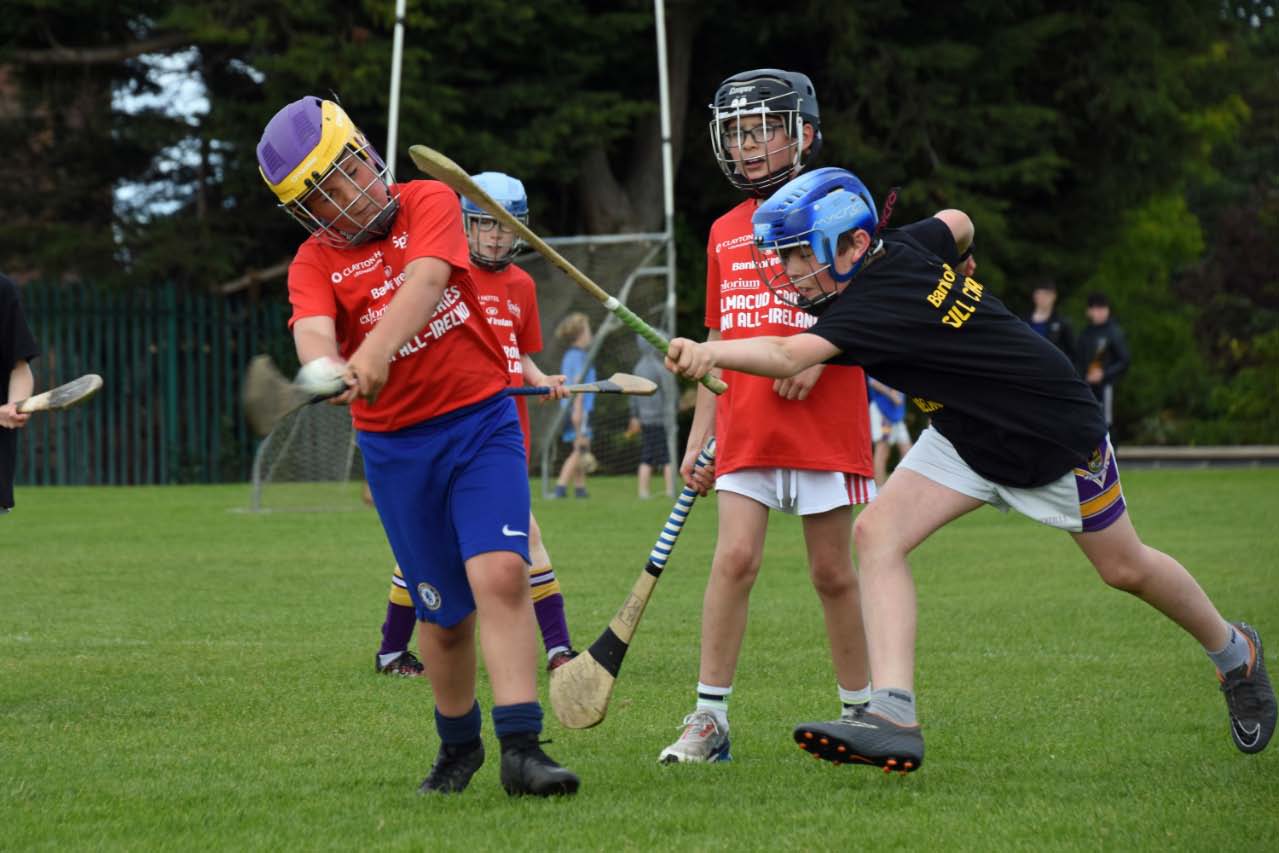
[459, 730]
[521, 719]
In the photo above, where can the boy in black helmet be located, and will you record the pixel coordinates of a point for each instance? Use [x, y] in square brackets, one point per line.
[765, 127]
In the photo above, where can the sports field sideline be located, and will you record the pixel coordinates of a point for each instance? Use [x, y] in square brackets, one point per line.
[176, 675]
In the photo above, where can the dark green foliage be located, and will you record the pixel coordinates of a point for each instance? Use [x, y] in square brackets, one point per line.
[1116, 146]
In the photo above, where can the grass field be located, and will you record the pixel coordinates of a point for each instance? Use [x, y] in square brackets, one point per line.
[176, 675]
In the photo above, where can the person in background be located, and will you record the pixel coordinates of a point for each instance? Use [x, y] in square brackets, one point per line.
[17, 349]
[1045, 320]
[575, 331]
[887, 425]
[508, 299]
[648, 420]
[1101, 356]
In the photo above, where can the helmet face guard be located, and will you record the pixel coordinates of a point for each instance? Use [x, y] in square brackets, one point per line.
[484, 234]
[781, 101]
[770, 266]
[810, 214]
[326, 175]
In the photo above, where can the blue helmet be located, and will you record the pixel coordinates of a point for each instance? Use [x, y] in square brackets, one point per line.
[813, 210]
[509, 193]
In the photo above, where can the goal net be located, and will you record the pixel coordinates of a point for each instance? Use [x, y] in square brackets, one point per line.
[309, 463]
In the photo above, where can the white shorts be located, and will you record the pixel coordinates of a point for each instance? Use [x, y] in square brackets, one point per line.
[882, 429]
[798, 491]
[1083, 500]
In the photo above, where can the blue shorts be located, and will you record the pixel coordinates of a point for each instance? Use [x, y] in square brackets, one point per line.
[446, 490]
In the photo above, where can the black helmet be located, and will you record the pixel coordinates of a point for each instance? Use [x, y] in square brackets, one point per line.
[788, 95]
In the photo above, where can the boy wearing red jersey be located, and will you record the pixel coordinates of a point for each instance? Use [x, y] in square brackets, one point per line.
[774, 451]
[383, 283]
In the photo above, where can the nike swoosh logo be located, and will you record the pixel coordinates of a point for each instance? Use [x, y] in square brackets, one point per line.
[1245, 735]
[507, 531]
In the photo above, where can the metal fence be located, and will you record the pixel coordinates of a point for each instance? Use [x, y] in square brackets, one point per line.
[171, 361]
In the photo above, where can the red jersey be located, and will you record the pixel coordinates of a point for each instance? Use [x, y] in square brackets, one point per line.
[508, 300]
[455, 360]
[754, 426]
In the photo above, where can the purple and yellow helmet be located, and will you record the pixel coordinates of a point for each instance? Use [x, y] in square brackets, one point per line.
[310, 154]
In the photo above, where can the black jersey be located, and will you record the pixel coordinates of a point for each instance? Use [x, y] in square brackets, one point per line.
[16, 344]
[1009, 400]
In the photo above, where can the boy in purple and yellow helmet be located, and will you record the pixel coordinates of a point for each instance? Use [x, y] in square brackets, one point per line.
[383, 284]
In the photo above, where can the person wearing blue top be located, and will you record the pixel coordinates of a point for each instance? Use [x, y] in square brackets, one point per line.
[887, 425]
[575, 331]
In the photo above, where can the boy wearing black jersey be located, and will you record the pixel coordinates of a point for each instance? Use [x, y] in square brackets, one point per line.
[1013, 425]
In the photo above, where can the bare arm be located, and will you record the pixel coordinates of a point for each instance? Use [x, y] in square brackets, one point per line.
[765, 356]
[410, 309]
[21, 383]
[960, 225]
[315, 337]
[533, 375]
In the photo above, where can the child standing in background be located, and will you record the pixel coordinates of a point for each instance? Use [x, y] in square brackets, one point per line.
[575, 331]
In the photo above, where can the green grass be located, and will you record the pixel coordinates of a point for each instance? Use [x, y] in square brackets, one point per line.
[176, 675]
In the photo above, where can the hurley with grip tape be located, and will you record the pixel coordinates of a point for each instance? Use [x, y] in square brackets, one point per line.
[581, 688]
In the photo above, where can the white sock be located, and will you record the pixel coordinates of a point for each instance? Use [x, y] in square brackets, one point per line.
[714, 699]
[852, 698]
[1233, 655]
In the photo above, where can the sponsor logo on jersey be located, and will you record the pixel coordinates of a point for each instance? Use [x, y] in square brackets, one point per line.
[369, 264]
[734, 242]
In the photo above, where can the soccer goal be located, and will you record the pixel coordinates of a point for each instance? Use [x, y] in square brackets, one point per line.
[309, 463]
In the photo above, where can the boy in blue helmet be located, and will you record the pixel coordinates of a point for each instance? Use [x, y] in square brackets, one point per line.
[765, 128]
[508, 298]
[383, 284]
[1013, 425]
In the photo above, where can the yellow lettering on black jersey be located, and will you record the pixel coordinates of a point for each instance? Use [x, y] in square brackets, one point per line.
[960, 310]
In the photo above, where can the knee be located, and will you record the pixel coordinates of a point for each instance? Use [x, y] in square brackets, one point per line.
[833, 578]
[737, 565]
[1126, 572]
[502, 577]
[450, 639]
[869, 533]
